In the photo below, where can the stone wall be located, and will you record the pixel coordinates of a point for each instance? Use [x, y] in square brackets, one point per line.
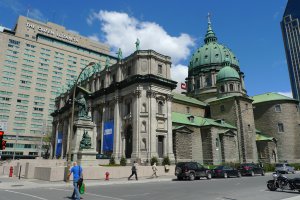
[183, 146]
[267, 151]
[266, 120]
[181, 108]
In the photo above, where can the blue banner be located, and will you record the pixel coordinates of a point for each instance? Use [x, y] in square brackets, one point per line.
[59, 144]
[108, 136]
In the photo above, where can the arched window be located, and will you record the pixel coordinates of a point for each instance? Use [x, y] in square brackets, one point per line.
[231, 87]
[144, 108]
[160, 107]
[208, 81]
[222, 89]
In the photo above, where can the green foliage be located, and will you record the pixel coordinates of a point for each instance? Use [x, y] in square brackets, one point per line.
[166, 161]
[112, 160]
[295, 165]
[269, 167]
[123, 161]
[154, 160]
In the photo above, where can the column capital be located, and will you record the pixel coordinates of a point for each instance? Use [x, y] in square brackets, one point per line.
[137, 93]
[169, 97]
[151, 94]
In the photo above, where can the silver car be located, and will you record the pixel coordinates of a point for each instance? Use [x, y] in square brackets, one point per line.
[284, 168]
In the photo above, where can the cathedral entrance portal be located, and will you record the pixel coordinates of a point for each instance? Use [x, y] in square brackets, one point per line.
[128, 141]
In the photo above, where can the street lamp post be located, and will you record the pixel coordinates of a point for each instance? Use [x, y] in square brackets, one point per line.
[72, 112]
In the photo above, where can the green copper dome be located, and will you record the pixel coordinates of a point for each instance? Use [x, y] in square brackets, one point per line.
[227, 73]
[212, 53]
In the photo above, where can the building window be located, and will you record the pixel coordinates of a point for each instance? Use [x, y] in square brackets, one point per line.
[208, 81]
[222, 88]
[297, 108]
[277, 108]
[187, 109]
[280, 127]
[198, 84]
[160, 107]
[222, 108]
[128, 70]
[159, 70]
[231, 87]
[192, 119]
[128, 108]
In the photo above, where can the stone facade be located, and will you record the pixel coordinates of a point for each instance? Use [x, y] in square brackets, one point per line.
[268, 116]
[135, 95]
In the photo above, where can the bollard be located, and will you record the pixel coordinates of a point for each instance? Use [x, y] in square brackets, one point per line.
[107, 176]
[11, 170]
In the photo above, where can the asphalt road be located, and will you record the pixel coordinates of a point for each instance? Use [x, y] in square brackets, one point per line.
[245, 188]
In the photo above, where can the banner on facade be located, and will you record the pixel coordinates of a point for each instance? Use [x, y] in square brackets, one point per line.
[59, 144]
[108, 136]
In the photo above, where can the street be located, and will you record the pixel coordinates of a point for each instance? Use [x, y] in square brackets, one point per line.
[245, 188]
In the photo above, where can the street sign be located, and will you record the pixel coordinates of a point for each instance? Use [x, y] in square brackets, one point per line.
[3, 125]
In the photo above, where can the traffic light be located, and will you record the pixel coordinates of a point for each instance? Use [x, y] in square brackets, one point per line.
[1, 139]
[3, 144]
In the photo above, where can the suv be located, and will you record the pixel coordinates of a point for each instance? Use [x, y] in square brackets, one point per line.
[251, 169]
[284, 168]
[191, 170]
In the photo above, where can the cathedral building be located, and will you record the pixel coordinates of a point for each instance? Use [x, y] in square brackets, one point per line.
[138, 116]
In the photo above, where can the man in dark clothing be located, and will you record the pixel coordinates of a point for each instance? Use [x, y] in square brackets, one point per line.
[77, 172]
[133, 171]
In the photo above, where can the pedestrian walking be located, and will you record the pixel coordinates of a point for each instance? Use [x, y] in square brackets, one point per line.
[134, 171]
[154, 169]
[76, 170]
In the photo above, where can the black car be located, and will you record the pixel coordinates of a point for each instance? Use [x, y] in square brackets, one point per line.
[191, 171]
[225, 172]
[251, 169]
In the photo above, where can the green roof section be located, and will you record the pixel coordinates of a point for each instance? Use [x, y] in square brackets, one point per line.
[187, 99]
[181, 118]
[227, 73]
[261, 137]
[271, 96]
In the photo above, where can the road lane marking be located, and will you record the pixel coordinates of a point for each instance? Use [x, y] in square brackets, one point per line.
[133, 195]
[87, 193]
[24, 194]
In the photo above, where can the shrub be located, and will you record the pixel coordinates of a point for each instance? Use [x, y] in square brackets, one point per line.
[154, 160]
[295, 165]
[269, 167]
[123, 161]
[166, 161]
[112, 160]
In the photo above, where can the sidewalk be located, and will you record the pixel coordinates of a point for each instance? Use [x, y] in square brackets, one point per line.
[15, 183]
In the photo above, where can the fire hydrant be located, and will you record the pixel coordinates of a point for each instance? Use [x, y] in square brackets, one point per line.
[11, 170]
[107, 176]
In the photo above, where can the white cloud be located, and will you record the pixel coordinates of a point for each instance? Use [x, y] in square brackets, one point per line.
[121, 31]
[94, 37]
[288, 94]
[179, 73]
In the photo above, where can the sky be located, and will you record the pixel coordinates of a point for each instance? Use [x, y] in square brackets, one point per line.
[250, 28]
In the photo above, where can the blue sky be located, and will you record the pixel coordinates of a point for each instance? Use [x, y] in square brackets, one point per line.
[250, 28]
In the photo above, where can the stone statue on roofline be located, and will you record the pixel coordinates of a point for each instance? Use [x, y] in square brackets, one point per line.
[137, 44]
[120, 55]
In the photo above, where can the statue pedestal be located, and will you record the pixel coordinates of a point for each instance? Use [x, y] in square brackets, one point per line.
[87, 157]
[84, 156]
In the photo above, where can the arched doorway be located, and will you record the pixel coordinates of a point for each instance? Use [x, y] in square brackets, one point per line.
[128, 141]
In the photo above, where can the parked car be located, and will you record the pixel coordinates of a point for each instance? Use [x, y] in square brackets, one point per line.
[102, 156]
[225, 172]
[284, 168]
[251, 169]
[191, 171]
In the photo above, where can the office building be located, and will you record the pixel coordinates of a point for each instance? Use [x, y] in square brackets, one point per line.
[291, 36]
[38, 61]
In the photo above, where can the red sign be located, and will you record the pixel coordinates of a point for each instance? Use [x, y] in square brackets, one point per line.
[1, 133]
[183, 86]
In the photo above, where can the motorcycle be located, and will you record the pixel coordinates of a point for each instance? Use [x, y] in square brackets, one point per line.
[284, 183]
